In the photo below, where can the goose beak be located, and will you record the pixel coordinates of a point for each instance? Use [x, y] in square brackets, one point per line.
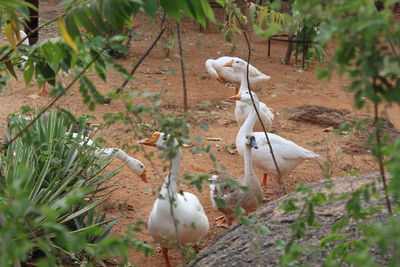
[152, 141]
[143, 176]
[253, 142]
[228, 64]
[147, 142]
[238, 96]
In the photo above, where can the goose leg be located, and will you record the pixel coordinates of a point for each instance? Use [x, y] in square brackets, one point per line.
[268, 191]
[264, 180]
[43, 90]
[221, 80]
[166, 258]
[222, 221]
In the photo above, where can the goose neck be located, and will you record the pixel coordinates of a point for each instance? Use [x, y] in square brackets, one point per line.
[172, 177]
[120, 154]
[247, 126]
[244, 85]
[248, 166]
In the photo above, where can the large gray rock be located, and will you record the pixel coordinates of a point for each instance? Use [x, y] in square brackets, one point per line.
[242, 246]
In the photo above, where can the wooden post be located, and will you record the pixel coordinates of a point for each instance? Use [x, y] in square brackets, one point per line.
[33, 22]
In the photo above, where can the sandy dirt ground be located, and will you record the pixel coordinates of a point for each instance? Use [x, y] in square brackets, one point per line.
[288, 87]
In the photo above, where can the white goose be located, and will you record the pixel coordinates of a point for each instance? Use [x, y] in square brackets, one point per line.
[222, 74]
[192, 222]
[22, 35]
[135, 165]
[242, 109]
[232, 195]
[288, 155]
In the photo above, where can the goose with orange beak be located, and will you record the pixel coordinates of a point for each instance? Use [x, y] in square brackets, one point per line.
[242, 109]
[218, 69]
[188, 213]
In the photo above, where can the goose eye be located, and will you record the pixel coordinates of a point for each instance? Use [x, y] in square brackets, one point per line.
[141, 166]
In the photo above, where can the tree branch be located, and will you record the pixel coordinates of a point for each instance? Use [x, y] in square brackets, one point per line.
[379, 153]
[254, 105]
[185, 101]
[139, 62]
[52, 102]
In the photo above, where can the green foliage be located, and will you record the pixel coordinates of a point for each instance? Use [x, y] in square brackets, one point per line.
[59, 172]
[47, 185]
[307, 33]
[364, 40]
[107, 22]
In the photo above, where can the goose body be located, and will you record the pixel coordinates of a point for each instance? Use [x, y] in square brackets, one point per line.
[22, 35]
[234, 195]
[288, 154]
[192, 226]
[192, 222]
[216, 70]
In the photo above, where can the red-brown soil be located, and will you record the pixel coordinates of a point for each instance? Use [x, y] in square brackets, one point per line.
[288, 87]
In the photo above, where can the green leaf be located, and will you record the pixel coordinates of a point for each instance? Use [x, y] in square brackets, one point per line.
[262, 229]
[98, 21]
[239, 211]
[151, 6]
[169, 7]
[246, 221]
[10, 68]
[72, 28]
[220, 202]
[83, 15]
[208, 12]
[83, 210]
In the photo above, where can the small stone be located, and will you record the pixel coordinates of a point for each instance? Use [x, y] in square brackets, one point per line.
[327, 130]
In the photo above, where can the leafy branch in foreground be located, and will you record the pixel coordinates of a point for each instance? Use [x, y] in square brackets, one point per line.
[83, 52]
[47, 180]
[364, 53]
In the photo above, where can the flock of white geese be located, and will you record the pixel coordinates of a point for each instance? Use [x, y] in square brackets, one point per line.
[189, 223]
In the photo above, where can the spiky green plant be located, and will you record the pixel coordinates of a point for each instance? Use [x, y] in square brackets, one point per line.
[47, 186]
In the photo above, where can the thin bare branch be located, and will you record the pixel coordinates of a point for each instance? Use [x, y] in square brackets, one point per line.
[379, 156]
[139, 62]
[280, 182]
[185, 101]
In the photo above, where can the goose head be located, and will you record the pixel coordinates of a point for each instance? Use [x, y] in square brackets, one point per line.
[244, 97]
[237, 64]
[251, 141]
[138, 168]
[159, 140]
